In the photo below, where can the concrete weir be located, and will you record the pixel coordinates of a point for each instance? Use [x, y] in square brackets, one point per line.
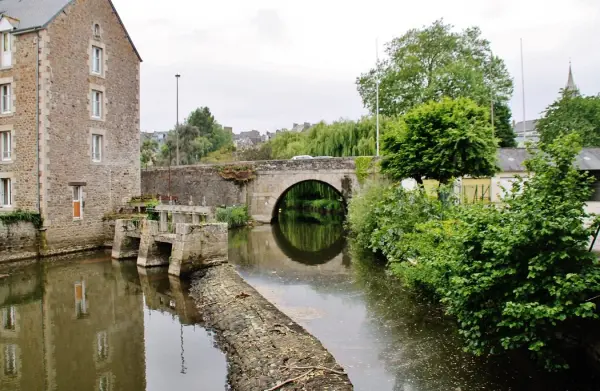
[190, 247]
[266, 350]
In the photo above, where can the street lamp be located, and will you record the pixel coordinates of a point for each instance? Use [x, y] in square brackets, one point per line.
[177, 76]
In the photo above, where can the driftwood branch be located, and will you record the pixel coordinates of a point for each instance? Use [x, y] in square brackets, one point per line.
[321, 368]
[283, 383]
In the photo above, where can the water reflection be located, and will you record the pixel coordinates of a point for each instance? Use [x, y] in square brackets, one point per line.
[385, 337]
[81, 324]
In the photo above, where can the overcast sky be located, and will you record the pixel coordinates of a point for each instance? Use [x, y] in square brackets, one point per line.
[264, 64]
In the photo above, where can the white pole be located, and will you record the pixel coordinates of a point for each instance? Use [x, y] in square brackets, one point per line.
[377, 93]
[523, 86]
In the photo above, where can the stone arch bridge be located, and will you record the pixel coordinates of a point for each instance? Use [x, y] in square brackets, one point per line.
[205, 185]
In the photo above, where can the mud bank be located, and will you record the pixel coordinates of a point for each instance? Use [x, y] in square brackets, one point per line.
[264, 347]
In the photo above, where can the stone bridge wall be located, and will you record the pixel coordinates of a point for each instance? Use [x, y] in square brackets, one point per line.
[202, 184]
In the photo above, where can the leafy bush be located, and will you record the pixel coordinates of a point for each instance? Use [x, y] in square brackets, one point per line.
[525, 269]
[361, 220]
[514, 275]
[234, 216]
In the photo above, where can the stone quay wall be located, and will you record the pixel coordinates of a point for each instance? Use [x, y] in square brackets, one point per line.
[18, 241]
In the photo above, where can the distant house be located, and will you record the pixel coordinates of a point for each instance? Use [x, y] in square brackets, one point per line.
[300, 127]
[159, 137]
[526, 132]
[244, 140]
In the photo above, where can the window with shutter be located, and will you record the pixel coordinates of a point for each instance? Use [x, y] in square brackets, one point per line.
[77, 202]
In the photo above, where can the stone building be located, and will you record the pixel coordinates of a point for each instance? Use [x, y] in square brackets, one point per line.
[69, 116]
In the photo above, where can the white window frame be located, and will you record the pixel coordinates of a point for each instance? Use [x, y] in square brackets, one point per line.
[97, 99]
[6, 97]
[78, 197]
[9, 320]
[3, 190]
[6, 49]
[97, 144]
[10, 360]
[97, 56]
[102, 346]
[5, 145]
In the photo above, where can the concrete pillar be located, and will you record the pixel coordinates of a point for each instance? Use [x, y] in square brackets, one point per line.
[164, 221]
[197, 245]
[124, 245]
[151, 252]
[195, 218]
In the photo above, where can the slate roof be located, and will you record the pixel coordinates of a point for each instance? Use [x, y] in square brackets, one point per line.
[511, 159]
[32, 13]
[39, 13]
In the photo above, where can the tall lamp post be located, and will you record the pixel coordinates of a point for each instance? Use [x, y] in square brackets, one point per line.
[177, 76]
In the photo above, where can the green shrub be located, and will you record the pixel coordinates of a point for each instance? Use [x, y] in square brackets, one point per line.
[234, 216]
[525, 271]
[515, 275]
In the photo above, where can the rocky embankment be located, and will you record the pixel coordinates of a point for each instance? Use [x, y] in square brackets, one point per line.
[265, 349]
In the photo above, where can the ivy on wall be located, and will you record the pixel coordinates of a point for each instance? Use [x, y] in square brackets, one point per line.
[363, 167]
[19, 216]
[238, 174]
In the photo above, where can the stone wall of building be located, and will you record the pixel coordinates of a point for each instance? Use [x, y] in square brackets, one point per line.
[68, 125]
[21, 168]
[18, 241]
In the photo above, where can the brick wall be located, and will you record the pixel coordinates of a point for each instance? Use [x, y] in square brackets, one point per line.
[67, 124]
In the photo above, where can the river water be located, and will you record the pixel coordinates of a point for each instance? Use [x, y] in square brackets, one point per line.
[88, 323]
[385, 337]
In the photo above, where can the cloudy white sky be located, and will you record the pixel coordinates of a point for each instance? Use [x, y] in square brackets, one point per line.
[264, 64]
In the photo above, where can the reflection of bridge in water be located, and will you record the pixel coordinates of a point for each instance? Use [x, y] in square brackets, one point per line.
[266, 249]
[309, 243]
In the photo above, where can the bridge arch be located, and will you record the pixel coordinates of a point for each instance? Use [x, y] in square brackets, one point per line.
[284, 193]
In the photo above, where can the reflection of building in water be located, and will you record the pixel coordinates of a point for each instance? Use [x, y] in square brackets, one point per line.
[84, 332]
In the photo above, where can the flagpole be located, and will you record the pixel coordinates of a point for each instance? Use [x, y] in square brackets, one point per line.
[523, 87]
[377, 93]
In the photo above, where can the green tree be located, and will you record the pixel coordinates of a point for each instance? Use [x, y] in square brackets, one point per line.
[432, 62]
[441, 140]
[148, 152]
[192, 146]
[572, 113]
[503, 129]
[209, 128]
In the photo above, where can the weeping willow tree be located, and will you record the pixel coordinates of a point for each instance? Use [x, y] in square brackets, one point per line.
[340, 138]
